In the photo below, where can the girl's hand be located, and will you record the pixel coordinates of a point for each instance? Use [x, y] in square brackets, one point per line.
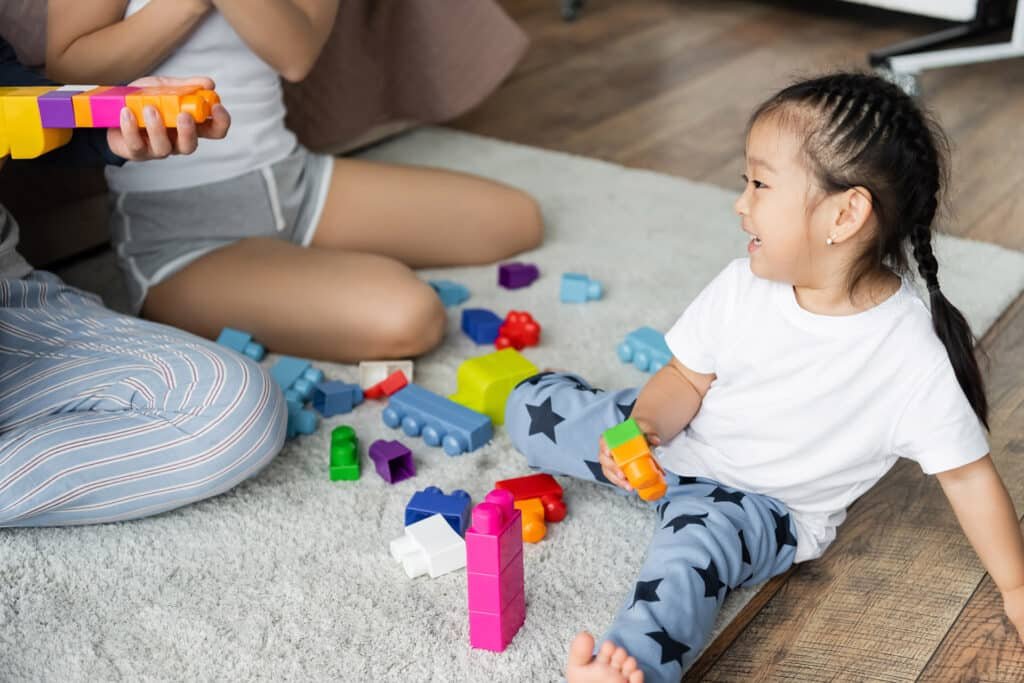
[1013, 603]
[156, 141]
[613, 472]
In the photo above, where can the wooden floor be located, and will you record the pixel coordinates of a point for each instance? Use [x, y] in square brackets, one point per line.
[667, 85]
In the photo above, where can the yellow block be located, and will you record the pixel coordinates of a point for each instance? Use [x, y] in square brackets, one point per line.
[23, 127]
[484, 383]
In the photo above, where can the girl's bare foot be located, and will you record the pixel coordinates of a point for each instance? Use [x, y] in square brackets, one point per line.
[611, 663]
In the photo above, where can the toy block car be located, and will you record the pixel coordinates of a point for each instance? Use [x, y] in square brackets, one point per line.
[516, 275]
[344, 454]
[392, 460]
[629, 448]
[429, 546]
[485, 382]
[539, 498]
[242, 343]
[441, 422]
[578, 288]
[450, 293]
[336, 397]
[480, 325]
[645, 347]
[494, 572]
[297, 375]
[454, 507]
[518, 331]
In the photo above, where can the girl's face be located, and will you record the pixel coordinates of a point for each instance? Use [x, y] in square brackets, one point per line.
[782, 207]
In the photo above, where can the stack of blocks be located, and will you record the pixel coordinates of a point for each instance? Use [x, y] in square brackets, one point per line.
[440, 421]
[494, 570]
[631, 453]
[297, 379]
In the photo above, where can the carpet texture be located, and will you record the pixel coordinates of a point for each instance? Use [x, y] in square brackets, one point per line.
[288, 576]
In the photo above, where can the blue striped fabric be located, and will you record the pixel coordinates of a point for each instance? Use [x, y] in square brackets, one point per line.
[107, 417]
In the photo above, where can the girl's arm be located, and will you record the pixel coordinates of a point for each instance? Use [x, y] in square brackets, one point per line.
[986, 514]
[92, 42]
[286, 34]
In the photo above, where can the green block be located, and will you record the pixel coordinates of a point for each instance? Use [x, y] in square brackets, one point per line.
[344, 454]
[621, 433]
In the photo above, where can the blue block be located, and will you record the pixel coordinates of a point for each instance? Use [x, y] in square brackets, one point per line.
[300, 420]
[645, 347]
[451, 293]
[578, 289]
[454, 507]
[242, 343]
[336, 397]
[442, 422]
[480, 325]
[297, 374]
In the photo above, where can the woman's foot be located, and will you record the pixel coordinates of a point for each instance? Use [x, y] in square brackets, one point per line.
[611, 663]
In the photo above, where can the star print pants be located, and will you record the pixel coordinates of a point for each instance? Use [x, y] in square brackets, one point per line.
[709, 538]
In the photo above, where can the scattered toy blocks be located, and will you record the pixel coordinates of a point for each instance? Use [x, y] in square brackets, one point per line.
[494, 572]
[518, 331]
[485, 382]
[480, 325]
[336, 397]
[392, 460]
[441, 422]
[394, 382]
[515, 275]
[375, 371]
[430, 546]
[633, 456]
[578, 288]
[242, 343]
[454, 507]
[451, 293]
[539, 498]
[296, 374]
[344, 454]
[646, 348]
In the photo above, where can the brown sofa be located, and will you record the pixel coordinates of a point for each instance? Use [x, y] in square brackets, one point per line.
[388, 64]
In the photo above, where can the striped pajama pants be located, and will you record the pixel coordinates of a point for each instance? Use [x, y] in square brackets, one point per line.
[107, 417]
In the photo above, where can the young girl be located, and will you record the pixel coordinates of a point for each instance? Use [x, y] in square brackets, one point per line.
[800, 374]
[311, 254]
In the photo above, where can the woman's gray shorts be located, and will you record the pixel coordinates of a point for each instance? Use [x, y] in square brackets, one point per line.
[156, 234]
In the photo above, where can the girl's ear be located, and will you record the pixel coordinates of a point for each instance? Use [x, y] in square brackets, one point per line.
[855, 210]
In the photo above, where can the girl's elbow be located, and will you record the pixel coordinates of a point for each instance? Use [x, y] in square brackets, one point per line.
[296, 70]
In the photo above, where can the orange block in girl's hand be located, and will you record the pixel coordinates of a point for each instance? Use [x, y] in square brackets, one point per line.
[171, 101]
[631, 453]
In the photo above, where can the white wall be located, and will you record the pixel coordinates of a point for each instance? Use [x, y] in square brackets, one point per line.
[957, 10]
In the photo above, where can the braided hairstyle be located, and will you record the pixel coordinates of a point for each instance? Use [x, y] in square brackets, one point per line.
[860, 130]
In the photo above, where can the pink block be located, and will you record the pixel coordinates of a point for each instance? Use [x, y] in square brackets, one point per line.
[496, 536]
[106, 106]
[494, 631]
[492, 592]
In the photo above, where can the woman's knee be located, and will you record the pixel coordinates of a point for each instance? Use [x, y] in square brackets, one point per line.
[413, 323]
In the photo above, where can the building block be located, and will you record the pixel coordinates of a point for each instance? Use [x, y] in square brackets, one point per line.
[296, 374]
[539, 498]
[442, 422]
[633, 456]
[485, 382]
[374, 371]
[578, 288]
[480, 325]
[494, 572]
[429, 546]
[38, 119]
[344, 454]
[336, 397]
[394, 383]
[646, 348]
[392, 460]
[518, 331]
[300, 420]
[451, 293]
[242, 343]
[516, 275]
[454, 507]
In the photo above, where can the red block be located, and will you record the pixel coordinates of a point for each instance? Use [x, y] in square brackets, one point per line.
[387, 386]
[518, 331]
[542, 486]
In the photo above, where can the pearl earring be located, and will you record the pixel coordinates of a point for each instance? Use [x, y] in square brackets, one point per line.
[829, 241]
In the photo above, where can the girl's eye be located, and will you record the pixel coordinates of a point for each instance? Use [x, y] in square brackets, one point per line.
[757, 183]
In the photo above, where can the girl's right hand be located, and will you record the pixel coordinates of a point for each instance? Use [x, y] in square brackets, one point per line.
[613, 472]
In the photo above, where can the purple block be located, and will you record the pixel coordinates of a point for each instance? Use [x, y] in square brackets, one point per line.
[56, 109]
[107, 105]
[392, 460]
[515, 275]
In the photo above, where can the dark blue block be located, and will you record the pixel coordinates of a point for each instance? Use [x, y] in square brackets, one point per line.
[480, 325]
[336, 397]
[454, 507]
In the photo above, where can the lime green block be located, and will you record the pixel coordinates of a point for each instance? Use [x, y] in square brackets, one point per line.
[621, 433]
[485, 382]
[344, 454]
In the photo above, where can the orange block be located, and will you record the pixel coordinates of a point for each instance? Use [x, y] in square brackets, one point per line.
[635, 460]
[171, 101]
[534, 528]
[83, 110]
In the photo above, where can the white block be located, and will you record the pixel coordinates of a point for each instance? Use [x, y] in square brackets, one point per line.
[373, 371]
[430, 546]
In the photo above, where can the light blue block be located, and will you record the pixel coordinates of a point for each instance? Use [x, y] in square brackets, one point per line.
[242, 343]
[451, 293]
[297, 374]
[578, 288]
[442, 422]
[645, 347]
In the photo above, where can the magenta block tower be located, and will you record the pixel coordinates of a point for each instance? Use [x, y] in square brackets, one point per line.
[494, 567]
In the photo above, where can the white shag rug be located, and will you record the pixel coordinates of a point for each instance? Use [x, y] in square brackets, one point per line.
[288, 576]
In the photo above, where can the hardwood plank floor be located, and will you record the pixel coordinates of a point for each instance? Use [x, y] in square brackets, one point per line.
[668, 85]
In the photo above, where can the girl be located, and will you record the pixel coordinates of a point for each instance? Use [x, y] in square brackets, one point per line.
[313, 255]
[800, 374]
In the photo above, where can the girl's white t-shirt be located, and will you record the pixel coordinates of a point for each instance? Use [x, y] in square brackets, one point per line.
[248, 87]
[813, 409]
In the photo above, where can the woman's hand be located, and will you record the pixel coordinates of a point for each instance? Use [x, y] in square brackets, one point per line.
[155, 141]
[1013, 604]
[613, 472]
